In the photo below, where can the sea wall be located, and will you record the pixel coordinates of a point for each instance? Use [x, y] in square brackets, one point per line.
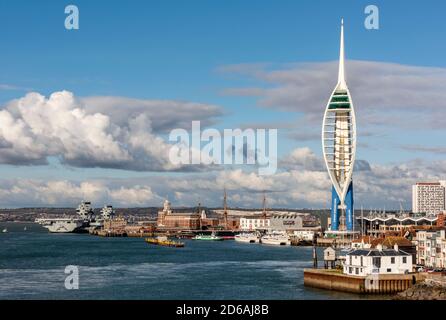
[336, 280]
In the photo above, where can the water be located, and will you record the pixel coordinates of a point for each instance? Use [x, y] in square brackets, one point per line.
[32, 265]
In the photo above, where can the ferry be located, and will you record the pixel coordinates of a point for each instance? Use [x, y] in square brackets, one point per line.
[206, 237]
[164, 241]
[247, 237]
[276, 238]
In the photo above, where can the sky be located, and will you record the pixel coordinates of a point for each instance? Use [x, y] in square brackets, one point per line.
[85, 114]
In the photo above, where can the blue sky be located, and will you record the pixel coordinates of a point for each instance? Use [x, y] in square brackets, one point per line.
[176, 50]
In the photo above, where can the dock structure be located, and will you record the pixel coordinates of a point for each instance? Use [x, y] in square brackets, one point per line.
[374, 284]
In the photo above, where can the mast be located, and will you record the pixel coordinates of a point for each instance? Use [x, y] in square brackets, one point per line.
[342, 84]
[264, 206]
[225, 209]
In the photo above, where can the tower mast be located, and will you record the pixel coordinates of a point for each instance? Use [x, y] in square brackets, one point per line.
[225, 210]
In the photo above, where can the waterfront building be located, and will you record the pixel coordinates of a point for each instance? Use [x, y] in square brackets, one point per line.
[339, 148]
[365, 262]
[429, 197]
[254, 223]
[380, 224]
[431, 248]
[178, 220]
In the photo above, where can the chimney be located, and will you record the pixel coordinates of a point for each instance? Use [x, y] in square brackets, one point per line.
[395, 247]
[379, 247]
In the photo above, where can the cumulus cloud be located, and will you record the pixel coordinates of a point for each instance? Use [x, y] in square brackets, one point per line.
[93, 132]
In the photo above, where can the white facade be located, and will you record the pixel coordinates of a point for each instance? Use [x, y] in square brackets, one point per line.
[429, 197]
[364, 262]
[254, 223]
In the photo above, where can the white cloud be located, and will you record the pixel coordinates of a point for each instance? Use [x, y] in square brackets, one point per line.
[415, 94]
[27, 192]
[34, 128]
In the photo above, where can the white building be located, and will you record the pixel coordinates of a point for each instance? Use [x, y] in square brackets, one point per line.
[364, 262]
[429, 197]
[254, 223]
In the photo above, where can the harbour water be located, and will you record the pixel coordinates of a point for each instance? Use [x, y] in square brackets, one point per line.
[32, 264]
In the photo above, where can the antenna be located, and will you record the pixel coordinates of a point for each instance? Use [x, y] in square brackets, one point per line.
[341, 77]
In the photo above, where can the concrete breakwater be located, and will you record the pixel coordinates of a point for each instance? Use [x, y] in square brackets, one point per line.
[379, 284]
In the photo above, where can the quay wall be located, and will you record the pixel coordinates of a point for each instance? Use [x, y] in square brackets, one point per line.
[381, 284]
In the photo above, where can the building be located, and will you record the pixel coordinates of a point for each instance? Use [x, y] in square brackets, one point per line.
[384, 223]
[286, 222]
[339, 148]
[254, 223]
[429, 197]
[431, 248]
[365, 262]
[167, 219]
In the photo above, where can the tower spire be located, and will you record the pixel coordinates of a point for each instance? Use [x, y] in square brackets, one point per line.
[341, 77]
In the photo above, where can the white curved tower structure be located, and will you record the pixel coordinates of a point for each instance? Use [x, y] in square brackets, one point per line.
[339, 147]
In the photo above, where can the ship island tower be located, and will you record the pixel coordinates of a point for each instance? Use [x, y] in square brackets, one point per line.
[339, 148]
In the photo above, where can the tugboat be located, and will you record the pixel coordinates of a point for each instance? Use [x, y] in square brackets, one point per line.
[164, 241]
[205, 237]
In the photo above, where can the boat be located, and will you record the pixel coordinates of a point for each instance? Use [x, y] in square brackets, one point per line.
[83, 222]
[165, 242]
[276, 238]
[207, 237]
[247, 237]
[61, 225]
[24, 229]
[5, 230]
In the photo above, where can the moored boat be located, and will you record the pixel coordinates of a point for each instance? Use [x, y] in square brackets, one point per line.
[276, 238]
[206, 237]
[247, 237]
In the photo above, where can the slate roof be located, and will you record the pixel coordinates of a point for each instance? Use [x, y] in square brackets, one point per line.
[378, 253]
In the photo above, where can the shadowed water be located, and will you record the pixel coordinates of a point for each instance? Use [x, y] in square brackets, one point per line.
[32, 264]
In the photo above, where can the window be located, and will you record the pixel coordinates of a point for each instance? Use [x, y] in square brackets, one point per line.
[362, 261]
[404, 259]
[389, 270]
[392, 260]
[357, 270]
[350, 270]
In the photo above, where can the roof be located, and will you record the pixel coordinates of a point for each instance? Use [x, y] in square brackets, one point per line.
[366, 239]
[378, 253]
[390, 241]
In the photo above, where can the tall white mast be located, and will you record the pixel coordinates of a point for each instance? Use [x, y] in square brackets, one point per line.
[342, 84]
